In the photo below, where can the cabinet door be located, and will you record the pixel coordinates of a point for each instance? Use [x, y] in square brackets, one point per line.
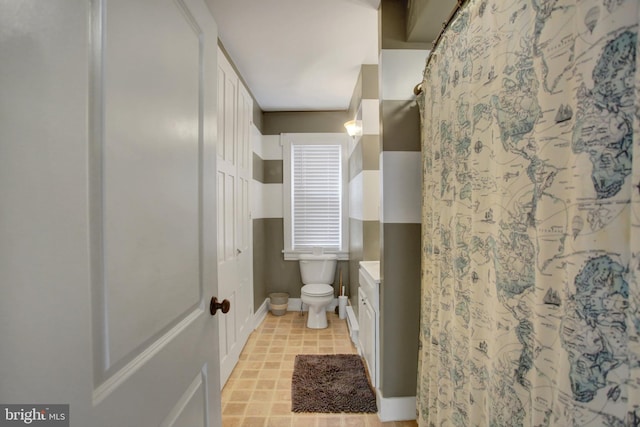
[369, 339]
[363, 325]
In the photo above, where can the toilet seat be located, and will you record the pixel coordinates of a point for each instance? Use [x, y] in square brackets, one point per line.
[317, 290]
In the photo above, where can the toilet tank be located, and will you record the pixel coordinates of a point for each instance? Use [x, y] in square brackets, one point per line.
[318, 268]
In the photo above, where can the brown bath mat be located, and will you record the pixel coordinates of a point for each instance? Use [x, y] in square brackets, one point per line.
[331, 383]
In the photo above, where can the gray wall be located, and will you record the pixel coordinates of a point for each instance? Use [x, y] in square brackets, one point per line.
[277, 122]
[366, 88]
[400, 243]
[271, 272]
[400, 303]
[395, 244]
[364, 234]
[364, 227]
[393, 27]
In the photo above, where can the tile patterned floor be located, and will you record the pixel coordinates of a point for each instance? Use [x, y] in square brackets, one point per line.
[258, 392]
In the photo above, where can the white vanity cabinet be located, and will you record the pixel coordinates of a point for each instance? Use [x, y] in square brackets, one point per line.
[369, 317]
[368, 333]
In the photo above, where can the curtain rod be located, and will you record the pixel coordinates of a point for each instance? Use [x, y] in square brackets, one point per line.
[417, 90]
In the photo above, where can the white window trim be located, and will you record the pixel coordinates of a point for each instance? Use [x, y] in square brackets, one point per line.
[288, 139]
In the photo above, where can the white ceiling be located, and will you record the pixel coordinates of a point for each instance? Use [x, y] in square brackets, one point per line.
[299, 55]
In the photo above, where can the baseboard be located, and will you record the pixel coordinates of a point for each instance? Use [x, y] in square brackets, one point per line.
[396, 408]
[261, 313]
[354, 329]
[295, 304]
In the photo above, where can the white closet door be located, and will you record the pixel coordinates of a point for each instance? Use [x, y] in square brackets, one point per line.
[235, 259]
[244, 222]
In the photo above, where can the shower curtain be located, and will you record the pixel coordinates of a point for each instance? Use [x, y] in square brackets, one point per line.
[531, 217]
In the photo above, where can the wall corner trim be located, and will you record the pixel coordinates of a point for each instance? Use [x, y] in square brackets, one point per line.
[261, 313]
[396, 408]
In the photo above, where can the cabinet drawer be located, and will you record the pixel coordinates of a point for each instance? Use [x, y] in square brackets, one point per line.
[370, 289]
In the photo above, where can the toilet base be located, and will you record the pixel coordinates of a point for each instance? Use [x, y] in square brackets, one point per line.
[317, 297]
[317, 319]
[317, 310]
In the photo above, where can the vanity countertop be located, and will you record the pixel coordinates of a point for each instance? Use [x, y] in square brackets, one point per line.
[371, 268]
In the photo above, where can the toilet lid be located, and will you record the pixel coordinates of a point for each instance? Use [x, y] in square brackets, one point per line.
[317, 289]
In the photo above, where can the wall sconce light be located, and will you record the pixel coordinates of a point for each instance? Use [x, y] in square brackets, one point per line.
[353, 127]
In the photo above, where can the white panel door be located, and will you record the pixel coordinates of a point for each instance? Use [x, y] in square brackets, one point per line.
[235, 260]
[244, 223]
[107, 230]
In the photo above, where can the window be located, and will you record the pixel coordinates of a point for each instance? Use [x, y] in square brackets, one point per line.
[315, 194]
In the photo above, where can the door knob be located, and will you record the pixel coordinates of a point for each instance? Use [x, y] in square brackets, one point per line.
[238, 251]
[214, 306]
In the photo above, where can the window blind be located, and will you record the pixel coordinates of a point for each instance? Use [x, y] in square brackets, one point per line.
[316, 196]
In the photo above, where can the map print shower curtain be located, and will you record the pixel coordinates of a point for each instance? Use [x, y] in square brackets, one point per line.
[531, 216]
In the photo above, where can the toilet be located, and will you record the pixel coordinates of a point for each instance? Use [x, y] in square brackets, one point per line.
[318, 272]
